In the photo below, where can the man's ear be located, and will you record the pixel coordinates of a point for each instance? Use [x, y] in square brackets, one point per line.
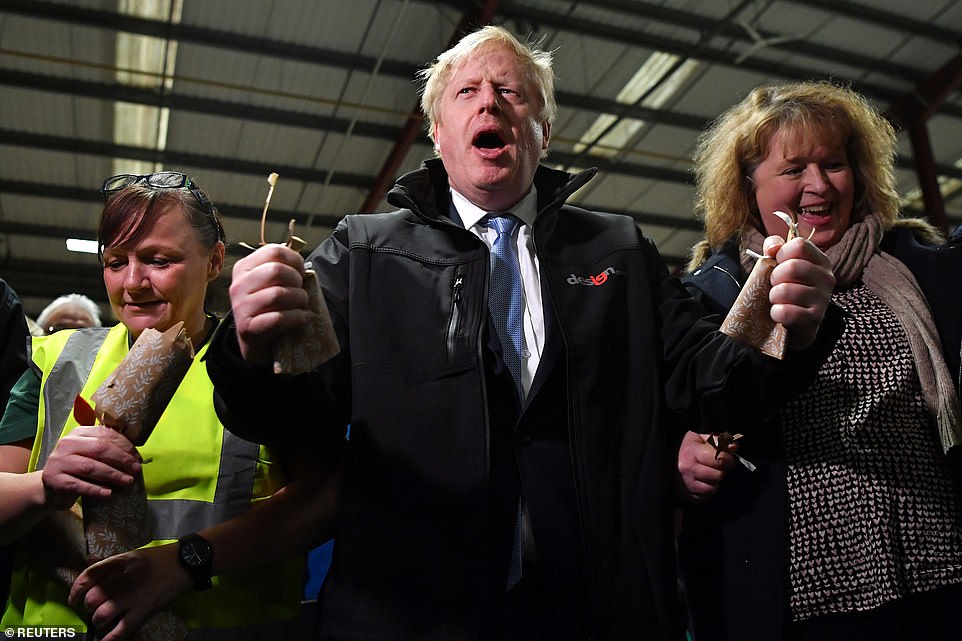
[545, 134]
[436, 137]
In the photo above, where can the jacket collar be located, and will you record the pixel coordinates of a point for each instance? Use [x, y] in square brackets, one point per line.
[721, 268]
[470, 214]
[425, 190]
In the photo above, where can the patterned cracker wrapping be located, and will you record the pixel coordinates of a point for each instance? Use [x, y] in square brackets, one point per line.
[57, 544]
[66, 542]
[304, 349]
[135, 394]
[314, 343]
[750, 320]
[120, 523]
[131, 400]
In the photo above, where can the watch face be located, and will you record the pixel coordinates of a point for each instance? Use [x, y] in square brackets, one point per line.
[195, 552]
[197, 557]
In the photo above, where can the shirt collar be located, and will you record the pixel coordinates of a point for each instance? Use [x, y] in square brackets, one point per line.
[471, 214]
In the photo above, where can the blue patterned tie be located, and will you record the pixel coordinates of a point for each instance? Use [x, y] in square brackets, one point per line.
[506, 302]
[506, 296]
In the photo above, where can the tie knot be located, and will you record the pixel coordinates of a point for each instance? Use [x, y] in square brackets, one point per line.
[503, 223]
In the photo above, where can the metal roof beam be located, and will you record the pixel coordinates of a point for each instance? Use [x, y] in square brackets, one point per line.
[318, 55]
[211, 106]
[255, 168]
[912, 112]
[715, 55]
[709, 25]
[174, 157]
[61, 192]
[92, 195]
[928, 95]
[42, 279]
[899, 22]
[202, 36]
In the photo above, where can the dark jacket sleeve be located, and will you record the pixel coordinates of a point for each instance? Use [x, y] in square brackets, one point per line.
[13, 342]
[283, 411]
[718, 383]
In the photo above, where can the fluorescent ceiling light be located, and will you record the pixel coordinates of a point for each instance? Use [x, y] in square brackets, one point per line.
[655, 76]
[82, 246]
[150, 63]
[145, 62]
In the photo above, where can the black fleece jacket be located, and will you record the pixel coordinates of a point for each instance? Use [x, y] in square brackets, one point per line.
[420, 551]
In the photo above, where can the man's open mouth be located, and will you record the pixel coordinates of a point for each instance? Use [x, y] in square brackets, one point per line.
[488, 140]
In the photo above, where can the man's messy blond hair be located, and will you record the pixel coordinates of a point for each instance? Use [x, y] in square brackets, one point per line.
[535, 63]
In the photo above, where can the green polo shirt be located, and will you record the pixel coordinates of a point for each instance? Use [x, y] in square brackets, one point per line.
[19, 421]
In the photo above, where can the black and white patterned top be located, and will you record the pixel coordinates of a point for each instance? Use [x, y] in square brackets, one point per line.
[873, 515]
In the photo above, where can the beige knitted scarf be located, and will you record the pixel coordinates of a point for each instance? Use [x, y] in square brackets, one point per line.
[856, 255]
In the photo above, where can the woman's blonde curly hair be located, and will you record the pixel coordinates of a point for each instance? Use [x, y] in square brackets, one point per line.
[730, 150]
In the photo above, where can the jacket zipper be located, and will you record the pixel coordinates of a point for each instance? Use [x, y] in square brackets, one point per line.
[455, 322]
[729, 274]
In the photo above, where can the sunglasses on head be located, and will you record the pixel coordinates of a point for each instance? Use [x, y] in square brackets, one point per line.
[165, 180]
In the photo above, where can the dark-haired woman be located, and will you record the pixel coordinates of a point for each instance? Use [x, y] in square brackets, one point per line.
[229, 516]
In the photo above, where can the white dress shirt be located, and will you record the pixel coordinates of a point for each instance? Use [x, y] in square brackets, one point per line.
[471, 216]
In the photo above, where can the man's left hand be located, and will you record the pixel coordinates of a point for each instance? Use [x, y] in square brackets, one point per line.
[802, 285]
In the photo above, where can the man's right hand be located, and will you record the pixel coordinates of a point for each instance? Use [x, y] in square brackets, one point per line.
[802, 285]
[268, 300]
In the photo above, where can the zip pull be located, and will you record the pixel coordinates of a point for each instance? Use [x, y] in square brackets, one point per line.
[458, 286]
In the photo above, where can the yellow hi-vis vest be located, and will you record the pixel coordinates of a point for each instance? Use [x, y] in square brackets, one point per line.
[200, 475]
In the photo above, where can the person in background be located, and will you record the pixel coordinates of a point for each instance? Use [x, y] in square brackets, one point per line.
[229, 516]
[850, 527]
[32, 328]
[70, 311]
[509, 366]
[13, 341]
